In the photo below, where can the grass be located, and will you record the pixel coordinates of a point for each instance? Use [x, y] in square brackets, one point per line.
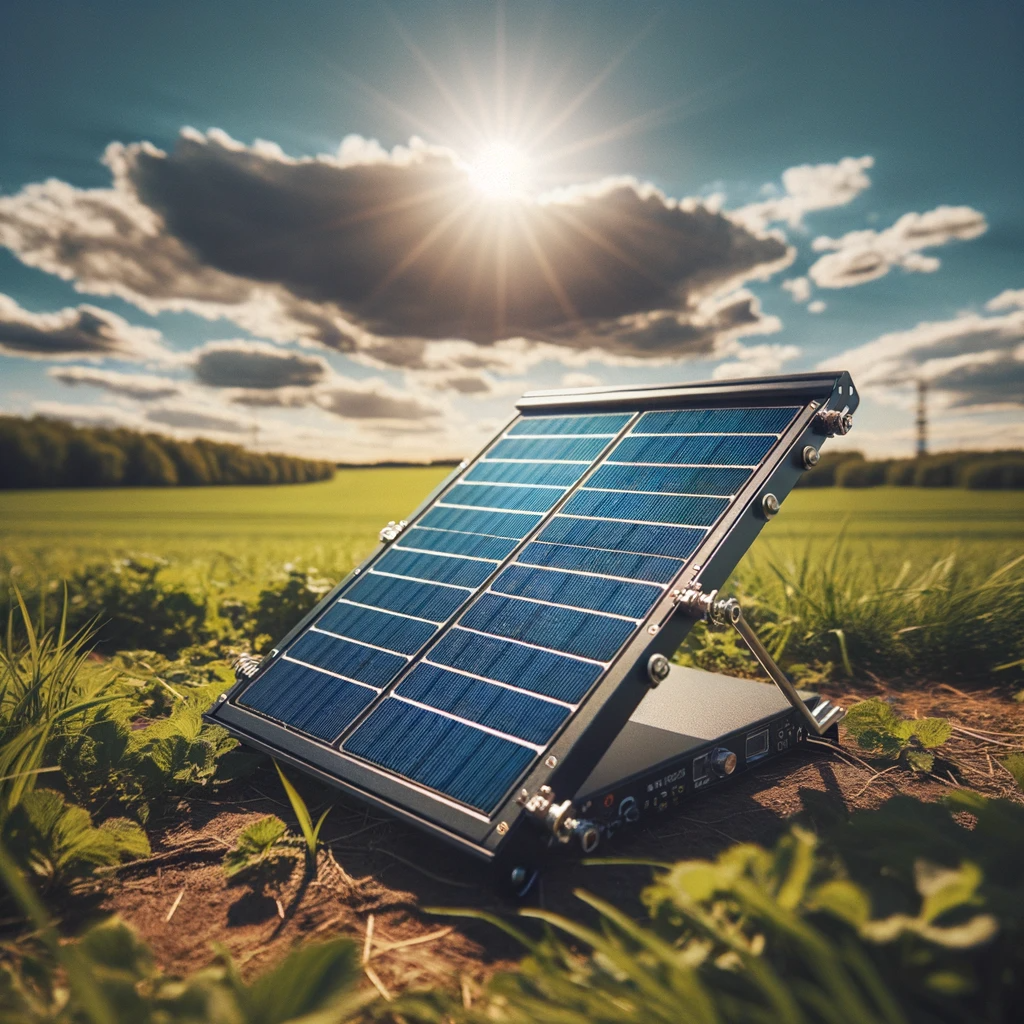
[334, 523]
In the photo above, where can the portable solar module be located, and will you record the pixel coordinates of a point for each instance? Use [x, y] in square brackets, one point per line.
[470, 675]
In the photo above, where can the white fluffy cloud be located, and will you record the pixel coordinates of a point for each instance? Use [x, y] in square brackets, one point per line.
[756, 361]
[74, 333]
[861, 256]
[971, 361]
[799, 288]
[807, 188]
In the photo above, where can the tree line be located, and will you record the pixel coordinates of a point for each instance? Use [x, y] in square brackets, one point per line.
[981, 471]
[42, 452]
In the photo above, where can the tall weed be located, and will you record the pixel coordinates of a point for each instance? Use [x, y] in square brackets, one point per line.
[847, 613]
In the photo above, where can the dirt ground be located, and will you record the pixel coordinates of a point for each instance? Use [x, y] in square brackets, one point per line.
[380, 876]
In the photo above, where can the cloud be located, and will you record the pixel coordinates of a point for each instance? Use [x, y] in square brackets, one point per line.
[371, 399]
[138, 386]
[184, 417]
[756, 361]
[580, 380]
[1009, 299]
[807, 188]
[861, 256]
[970, 361]
[371, 252]
[799, 288]
[817, 306]
[256, 364]
[85, 331]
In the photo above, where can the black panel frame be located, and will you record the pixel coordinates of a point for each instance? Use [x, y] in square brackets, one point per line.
[578, 746]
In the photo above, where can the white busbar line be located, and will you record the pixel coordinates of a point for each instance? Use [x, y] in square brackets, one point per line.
[466, 721]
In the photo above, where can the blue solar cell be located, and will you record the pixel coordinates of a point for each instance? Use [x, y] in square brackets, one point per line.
[512, 525]
[507, 711]
[675, 541]
[716, 421]
[465, 763]
[671, 479]
[424, 600]
[652, 568]
[366, 664]
[744, 450]
[570, 449]
[313, 702]
[526, 667]
[520, 499]
[565, 607]
[554, 474]
[470, 544]
[600, 595]
[646, 508]
[381, 629]
[586, 634]
[463, 572]
[544, 425]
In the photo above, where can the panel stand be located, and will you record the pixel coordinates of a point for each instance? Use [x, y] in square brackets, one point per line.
[727, 611]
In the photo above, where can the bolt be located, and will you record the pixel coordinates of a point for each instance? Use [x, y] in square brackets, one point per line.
[658, 668]
[652, 629]
[770, 506]
[723, 761]
[551, 761]
[810, 457]
[502, 828]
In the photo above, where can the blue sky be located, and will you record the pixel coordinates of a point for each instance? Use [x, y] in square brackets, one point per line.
[696, 190]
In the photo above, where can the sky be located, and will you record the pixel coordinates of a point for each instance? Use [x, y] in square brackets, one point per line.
[359, 231]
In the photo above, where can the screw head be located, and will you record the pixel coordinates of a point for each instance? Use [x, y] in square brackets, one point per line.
[518, 876]
[652, 629]
[810, 457]
[658, 668]
[770, 506]
[502, 828]
[551, 761]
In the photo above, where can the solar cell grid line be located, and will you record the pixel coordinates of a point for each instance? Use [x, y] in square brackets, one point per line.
[404, 597]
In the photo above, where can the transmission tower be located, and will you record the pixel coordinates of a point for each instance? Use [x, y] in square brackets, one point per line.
[922, 418]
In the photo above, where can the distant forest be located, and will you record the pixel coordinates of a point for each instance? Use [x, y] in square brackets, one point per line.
[51, 453]
[980, 471]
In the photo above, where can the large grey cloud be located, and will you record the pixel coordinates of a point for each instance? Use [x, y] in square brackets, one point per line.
[84, 331]
[971, 361]
[347, 251]
[255, 364]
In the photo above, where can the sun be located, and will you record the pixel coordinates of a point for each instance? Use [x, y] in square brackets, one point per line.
[500, 171]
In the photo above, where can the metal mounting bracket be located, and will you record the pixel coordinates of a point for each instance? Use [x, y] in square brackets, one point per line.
[727, 611]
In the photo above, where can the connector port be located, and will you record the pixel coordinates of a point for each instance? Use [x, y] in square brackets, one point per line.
[701, 769]
[757, 744]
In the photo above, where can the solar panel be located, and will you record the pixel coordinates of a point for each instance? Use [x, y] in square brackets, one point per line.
[498, 643]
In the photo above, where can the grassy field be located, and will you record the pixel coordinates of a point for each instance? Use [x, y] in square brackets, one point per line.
[243, 531]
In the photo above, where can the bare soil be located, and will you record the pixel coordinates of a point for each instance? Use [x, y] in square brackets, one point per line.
[381, 876]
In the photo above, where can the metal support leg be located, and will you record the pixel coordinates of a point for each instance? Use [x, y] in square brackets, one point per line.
[721, 612]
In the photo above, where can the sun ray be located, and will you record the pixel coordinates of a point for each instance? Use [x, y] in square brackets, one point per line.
[435, 76]
[592, 86]
[418, 250]
[550, 276]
